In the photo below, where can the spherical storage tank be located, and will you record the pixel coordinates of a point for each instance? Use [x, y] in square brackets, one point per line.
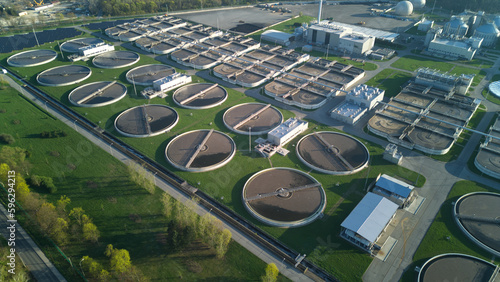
[404, 8]
[418, 4]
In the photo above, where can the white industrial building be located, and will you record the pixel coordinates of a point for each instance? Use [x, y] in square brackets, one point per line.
[459, 84]
[348, 112]
[455, 49]
[280, 136]
[170, 82]
[358, 102]
[277, 37]
[340, 38]
[84, 53]
[366, 96]
[369, 219]
[286, 131]
[165, 84]
[399, 192]
[95, 49]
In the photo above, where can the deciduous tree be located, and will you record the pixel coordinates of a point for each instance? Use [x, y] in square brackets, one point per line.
[272, 272]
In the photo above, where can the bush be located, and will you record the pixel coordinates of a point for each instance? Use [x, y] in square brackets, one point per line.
[7, 138]
[43, 182]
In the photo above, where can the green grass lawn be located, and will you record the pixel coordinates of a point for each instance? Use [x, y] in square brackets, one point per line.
[98, 182]
[319, 240]
[412, 63]
[444, 236]
[490, 97]
[390, 80]
[478, 74]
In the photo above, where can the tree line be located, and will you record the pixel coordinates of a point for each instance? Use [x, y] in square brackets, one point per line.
[457, 6]
[132, 7]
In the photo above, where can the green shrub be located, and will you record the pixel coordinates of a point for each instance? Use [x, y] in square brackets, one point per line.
[43, 182]
[7, 138]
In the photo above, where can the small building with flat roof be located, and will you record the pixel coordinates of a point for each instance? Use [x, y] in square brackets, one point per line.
[348, 112]
[358, 102]
[395, 190]
[367, 221]
[277, 37]
[286, 131]
[365, 96]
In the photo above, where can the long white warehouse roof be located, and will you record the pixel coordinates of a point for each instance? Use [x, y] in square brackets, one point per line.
[370, 216]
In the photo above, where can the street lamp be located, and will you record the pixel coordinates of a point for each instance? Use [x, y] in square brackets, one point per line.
[81, 267]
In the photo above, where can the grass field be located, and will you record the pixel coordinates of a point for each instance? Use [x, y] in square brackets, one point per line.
[319, 240]
[390, 80]
[444, 236]
[412, 63]
[98, 182]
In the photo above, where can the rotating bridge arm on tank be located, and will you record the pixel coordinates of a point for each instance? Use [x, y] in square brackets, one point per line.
[146, 119]
[492, 220]
[252, 116]
[197, 95]
[282, 191]
[199, 147]
[122, 58]
[329, 147]
[96, 93]
[64, 73]
[35, 57]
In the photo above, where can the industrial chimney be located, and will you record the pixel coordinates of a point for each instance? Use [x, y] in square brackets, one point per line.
[319, 12]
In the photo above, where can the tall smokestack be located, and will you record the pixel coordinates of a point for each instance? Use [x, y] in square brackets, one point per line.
[319, 12]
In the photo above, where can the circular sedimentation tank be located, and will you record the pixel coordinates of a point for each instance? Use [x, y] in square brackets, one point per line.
[73, 45]
[97, 94]
[478, 216]
[252, 118]
[455, 267]
[284, 197]
[200, 96]
[145, 75]
[146, 120]
[332, 153]
[200, 150]
[116, 59]
[64, 75]
[32, 58]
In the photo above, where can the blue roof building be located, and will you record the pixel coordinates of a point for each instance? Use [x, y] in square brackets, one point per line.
[399, 192]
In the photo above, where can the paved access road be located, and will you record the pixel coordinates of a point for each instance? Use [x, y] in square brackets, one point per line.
[31, 255]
